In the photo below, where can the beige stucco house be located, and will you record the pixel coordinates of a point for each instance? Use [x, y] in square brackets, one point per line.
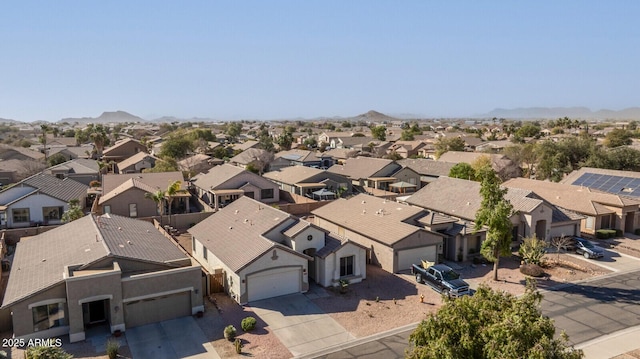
[104, 270]
[396, 235]
[263, 252]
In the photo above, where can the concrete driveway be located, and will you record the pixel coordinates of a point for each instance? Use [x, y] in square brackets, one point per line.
[171, 339]
[614, 261]
[300, 324]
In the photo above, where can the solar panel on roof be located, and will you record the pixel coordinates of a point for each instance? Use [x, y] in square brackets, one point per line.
[581, 179]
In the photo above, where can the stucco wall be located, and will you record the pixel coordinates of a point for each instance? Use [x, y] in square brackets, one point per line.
[120, 203]
[23, 316]
[35, 203]
[329, 268]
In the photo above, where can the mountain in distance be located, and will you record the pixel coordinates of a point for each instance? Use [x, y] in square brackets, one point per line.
[170, 119]
[106, 117]
[372, 116]
[9, 121]
[558, 112]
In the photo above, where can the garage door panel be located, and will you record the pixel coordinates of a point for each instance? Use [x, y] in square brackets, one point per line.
[273, 283]
[408, 257]
[157, 309]
[567, 230]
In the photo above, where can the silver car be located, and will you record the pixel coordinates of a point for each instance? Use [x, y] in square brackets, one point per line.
[588, 249]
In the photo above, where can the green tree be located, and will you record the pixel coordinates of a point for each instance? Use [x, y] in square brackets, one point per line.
[494, 213]
[176, 147]
[379, 132]
[220, 152]
[553, 162]
[172, 191]
[163, 165]
[46, 352]
[43, 139]
[528, 130]
[463, 170]
[56, 159]
[407, 135]
[618, 137]
[311, 142]
[73, 212]
[490, 324]
[158, 197]
[446, 144]
[233, 130]
[286, 139]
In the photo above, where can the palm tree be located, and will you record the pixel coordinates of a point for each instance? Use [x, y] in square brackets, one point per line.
[173, 189]
[158, 197]
[43, 139]
[99, 141]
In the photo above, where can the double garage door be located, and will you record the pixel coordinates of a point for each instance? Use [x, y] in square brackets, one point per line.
[273, 283]
[407, 257]
[157, 309]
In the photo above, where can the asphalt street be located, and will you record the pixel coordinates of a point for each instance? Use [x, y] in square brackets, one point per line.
[584, 311]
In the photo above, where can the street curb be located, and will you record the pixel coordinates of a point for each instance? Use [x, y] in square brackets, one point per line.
[358, 341]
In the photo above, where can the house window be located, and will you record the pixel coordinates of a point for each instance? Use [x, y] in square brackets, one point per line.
[107, 209]
[193, 244]
[266, 193]
[346, 266]
[589, 222]
[48, 316]
[52, 213]
[133, 210]
[204, 252]
[21, 215]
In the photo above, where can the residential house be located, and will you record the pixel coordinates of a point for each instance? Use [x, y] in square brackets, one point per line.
[245, 145]
[304, 181]
[71, 153]
[406, 149]
[429, 170]
[601, 210]
[340, 155]
[350, 142]
[504, 166]
[136, 163]
[263, 252]
[224, 184]
[39, 199]
[125, 194]
[301, 158]
[379, 174]
[104, 270]
[198, 163]
[19, 153]
[255, 158]
[80, 170]
[461, 199]
[392, 232]
[123, 149]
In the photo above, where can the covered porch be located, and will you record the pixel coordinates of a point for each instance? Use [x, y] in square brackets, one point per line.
[380, 182]
[223, 197]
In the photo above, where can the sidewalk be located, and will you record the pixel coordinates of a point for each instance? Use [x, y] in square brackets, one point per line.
[611, 345]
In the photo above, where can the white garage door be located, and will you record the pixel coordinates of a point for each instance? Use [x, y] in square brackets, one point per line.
[568, 230]
[153, 310]
[273, 283]
[408, 257]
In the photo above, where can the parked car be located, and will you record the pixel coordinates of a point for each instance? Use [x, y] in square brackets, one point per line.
[587, 249]
[442, 279]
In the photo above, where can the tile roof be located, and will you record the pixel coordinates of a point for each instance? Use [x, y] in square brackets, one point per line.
[62, 189]
[236, 233]
[245, 145]
[296, 228]
[461, 198]
[575, 198]
[427, 167]
[138, 157]
[40, 260]
[78, 165]
[332, 243]
[299, 155]
[6, 152]
[293, 174]
[372, 217]
[119, 144]
[217, 176]
[247, 156]
[341, 153]
[360, 167]
[159, 180]
[130, 183]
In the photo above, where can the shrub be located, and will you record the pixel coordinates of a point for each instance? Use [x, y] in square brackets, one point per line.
[112, 348]
[532, 249]
[637, 231]
[605, 233]
[248, 324]
[618, 232]
[238, 345]
[94, 184]
[532, 270]
[230, 332]
[42, 352]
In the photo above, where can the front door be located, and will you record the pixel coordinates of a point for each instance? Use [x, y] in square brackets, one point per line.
[95, 312]
[311, 252]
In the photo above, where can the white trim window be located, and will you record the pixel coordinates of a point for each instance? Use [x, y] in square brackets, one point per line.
[133, 210]
[346, 266]
[48, 316]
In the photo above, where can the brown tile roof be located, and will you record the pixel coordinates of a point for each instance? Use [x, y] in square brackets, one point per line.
[575, 198]
[293, 174]
[62, 189]
[40, 260]
[360, 167]
[426, 167]
[247, 156]
[130, 183]
[159, 180]
[119, 144]
[138, 157]
[236, 233]
[373, 217]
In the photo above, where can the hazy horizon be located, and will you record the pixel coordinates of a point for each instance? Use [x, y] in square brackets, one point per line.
[287, 60]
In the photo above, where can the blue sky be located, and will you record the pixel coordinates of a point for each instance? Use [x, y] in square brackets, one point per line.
[288, 59]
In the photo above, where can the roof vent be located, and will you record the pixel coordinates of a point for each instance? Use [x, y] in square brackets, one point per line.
[363, 202]
[44, 260]
[119, 228]
[237, 211]
[246, 220]
[468, 203]
[129, 242]
[364, 211]
[230, 228]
